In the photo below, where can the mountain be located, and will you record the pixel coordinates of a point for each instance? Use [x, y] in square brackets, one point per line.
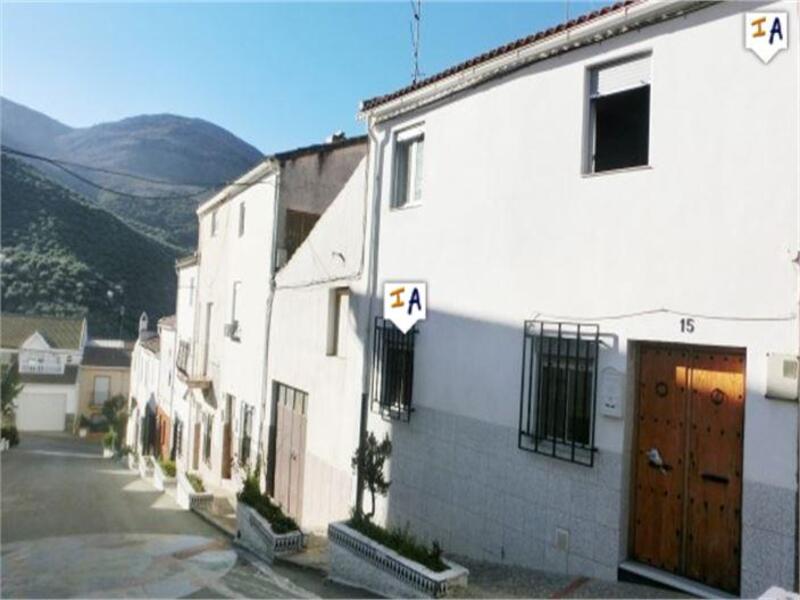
[62, 256]
[169, 148]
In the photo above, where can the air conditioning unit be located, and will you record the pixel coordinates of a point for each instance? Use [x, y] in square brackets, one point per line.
[232, 329]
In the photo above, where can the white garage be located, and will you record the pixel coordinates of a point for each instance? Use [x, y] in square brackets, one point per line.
[40, 411]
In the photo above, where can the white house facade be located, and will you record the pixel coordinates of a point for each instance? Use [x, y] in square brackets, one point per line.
[606, 216]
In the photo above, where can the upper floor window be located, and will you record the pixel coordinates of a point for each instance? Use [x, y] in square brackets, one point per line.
[407, 172]
[182, 360]
[232, 329]
[102, 389]
[619, 99]
[213, 223]
[338, 310]
[191, 291]
[241, 219]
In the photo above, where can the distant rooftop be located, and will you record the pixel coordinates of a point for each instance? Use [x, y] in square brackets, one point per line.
[60, 332]
[106, 356]
[153, 343]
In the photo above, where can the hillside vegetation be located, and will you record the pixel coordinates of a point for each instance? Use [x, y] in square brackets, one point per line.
[166, 147]
[61, 256]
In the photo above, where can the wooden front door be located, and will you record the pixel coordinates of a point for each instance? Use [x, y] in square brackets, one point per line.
[290, 447]
[227, 438]
[196, 447]
[688, 487]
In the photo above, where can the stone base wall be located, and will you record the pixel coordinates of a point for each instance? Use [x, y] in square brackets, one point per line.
[466, 484]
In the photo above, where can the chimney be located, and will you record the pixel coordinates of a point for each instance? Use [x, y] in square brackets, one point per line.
[336, 136]
[143, 327]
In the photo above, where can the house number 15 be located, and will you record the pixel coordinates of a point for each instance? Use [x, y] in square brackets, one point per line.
[687, 325]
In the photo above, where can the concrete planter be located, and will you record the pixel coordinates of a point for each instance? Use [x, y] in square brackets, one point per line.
[132, 461]
[359, 561]
[255, 533]
[188, 499]
[160, 479]
[145, 467]
[108, 452]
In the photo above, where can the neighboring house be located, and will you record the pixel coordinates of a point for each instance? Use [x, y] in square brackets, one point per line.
[606, 217]
[47, 351]
[166, 383]
[315, 364]
[104, 373]
[142, 430]
[246, 232]
[186, 269]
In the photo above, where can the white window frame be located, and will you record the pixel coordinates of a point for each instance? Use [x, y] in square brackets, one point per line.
[409, 140]
[591, 96]
[338, 310]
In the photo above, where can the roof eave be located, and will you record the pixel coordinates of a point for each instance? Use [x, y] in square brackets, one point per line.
[634, 16]
[266, 167]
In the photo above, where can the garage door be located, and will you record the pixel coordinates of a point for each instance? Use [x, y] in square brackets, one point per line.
[41, 412]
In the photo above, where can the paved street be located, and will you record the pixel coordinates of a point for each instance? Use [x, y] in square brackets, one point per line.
[75, 524]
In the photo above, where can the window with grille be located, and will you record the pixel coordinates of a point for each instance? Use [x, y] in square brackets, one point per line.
[247, 433]
[209, 419]
[392, 370]
[557, 396]
[619, 101]
[407, 173]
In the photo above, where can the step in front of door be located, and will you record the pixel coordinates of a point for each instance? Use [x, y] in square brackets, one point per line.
[635, 572]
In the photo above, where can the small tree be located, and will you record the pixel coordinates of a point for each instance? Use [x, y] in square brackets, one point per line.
[11, 387]
[116, 415]
[369, 460]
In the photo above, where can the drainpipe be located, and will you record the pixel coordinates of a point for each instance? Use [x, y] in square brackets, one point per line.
[260, 454]
[372, 280]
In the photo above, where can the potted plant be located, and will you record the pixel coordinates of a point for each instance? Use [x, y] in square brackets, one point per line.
[262, 526]
[390, 562]
[109, 443]
[83, 428]
[191, 493]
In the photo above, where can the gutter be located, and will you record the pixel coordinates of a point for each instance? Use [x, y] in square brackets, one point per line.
[646, 12]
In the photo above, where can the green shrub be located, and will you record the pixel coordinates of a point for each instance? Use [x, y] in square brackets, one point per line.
[110, 439]
[401, 541]
[252, 496]
[168, 467]
[196, 482]
[11, 434]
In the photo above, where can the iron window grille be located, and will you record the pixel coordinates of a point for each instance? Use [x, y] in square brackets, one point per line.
[182, 359]
[392, 370]
[558, 390]
[247, 432]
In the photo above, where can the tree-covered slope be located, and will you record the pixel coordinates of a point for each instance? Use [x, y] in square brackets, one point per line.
[62, 256]
[165, 147]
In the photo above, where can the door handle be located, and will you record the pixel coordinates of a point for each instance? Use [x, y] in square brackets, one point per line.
[715, 478]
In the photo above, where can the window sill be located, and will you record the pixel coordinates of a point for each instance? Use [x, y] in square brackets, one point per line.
[617, 171]
[408, 206]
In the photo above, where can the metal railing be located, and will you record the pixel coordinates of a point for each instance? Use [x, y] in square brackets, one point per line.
[392, 370]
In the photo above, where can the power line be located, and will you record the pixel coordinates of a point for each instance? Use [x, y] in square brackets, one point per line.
[659, 311]
[64, 166]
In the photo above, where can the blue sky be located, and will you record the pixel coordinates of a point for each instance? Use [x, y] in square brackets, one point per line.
[278, 75]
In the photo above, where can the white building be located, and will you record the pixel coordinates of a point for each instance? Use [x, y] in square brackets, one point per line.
[246, 232]
[634, 174]
[142, 434]
[47, 351]
[315, 364]
[186, 269]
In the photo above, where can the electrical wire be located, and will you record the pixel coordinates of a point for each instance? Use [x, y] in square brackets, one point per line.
[657, 311]
[65, 166]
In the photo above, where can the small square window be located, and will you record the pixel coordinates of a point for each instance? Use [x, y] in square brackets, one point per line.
[619, 103]
[408, 168]
[338, 309]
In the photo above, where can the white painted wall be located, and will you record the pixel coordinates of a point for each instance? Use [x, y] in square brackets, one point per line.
[330, 257]
[185, 304]
[510, 228]
[144, 387]
[236, 367]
